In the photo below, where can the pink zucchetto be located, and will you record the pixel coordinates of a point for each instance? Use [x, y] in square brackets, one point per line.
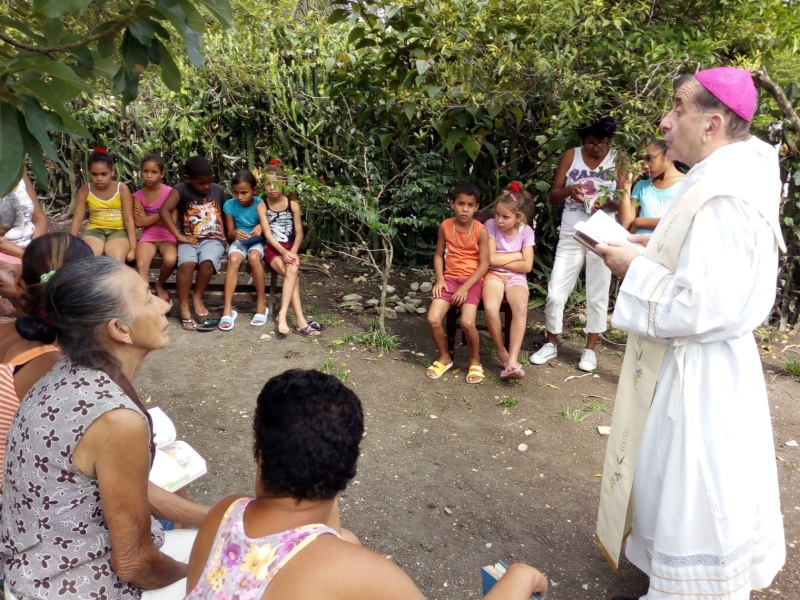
[733, 87]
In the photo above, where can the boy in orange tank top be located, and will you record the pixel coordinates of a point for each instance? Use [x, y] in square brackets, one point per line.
[460, 262]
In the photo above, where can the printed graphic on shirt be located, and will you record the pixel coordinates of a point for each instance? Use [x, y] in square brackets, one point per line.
[281, 224]
[203, 220]
[598, 184]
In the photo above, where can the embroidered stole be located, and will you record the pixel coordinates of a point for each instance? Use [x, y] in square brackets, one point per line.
[637, 384]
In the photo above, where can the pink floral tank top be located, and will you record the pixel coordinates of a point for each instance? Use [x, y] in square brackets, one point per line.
[242, 567]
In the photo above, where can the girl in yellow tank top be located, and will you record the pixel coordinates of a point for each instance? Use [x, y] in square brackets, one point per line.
[111, 229]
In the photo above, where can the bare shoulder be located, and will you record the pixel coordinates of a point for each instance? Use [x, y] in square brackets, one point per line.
[117, 428]
[333, 569]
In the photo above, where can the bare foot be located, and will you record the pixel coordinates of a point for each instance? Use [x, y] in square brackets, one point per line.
[283, 326]
[199, 308]
[161, 292]
[184, 313]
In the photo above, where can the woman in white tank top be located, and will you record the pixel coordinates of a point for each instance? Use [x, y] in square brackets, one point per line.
[585, 181]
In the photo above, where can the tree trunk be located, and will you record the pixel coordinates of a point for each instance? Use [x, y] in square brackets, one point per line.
[388, 257]
[72, 177]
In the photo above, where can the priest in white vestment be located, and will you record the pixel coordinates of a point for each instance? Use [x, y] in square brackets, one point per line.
[706, 518]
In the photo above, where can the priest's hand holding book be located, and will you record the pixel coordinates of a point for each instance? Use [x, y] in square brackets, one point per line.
[611, 241]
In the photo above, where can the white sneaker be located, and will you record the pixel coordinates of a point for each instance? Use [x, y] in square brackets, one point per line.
[543, 354]
[588, 360]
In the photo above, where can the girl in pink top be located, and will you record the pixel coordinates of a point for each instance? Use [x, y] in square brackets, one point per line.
[155, 237]
[511, 243]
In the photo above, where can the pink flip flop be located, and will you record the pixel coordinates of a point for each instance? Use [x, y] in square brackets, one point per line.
[512, 372]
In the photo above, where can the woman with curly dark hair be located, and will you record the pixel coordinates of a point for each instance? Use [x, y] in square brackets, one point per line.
[280, 544]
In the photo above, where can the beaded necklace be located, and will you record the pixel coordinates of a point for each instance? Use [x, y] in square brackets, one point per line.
[469, 235]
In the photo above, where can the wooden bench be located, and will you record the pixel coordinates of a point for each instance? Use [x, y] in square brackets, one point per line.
[245, 290]
[453, 320]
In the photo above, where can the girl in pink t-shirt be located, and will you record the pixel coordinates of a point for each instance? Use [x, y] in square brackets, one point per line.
[155, 237]
[511, 244]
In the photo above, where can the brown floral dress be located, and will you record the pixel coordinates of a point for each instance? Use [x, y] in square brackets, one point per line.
[55, 541]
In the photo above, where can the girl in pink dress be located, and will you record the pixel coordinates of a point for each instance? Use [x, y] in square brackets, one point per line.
[155, 237]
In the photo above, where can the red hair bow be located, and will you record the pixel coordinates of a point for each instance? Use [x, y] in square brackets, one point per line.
[99, 150]
[515, 187]
[274, 162]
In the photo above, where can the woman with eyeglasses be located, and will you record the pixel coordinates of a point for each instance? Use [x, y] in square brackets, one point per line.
[641, 210]
[585, 181]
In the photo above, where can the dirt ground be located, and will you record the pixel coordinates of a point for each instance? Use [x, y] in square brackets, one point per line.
[443, 484]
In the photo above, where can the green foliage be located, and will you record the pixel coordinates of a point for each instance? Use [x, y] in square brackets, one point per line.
[497, 380]
[509, 401]
[374, 338]
[52, 51]
[377, 107]
[793, 367]
[573, 415]
[579, 414]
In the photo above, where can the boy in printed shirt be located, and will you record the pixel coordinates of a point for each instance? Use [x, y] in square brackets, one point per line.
[200, 232]
[460, 262]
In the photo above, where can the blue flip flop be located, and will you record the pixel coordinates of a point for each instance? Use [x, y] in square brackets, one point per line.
[259, 319]
[228, 322]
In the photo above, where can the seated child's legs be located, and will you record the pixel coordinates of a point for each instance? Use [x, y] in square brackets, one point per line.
[473, 296]
[289, 273]
[169, 256]
[235, 260]
[517, 298]
[299, 316]
[469, 312]
[436, 314]
[254, 258]
[493, 292]
[209, 257]
[145, 251]
[187, 263]
[183, 284]
[96, 239]
[169, 253]
[270, 254]
[118, 246]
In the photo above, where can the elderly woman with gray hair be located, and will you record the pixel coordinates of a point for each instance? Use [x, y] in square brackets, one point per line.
[77, 504]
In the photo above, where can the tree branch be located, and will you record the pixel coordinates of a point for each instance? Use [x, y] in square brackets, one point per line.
[120, 24]
[773, 89]
[312, 142]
